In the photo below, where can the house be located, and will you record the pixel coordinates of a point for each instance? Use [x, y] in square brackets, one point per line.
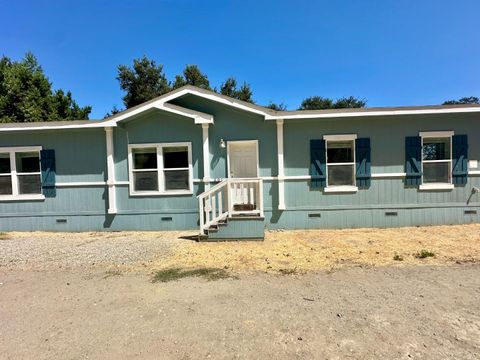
[194, 159]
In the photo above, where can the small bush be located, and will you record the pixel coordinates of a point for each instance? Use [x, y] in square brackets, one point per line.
[3, 236]
[288, 271]
[424, 254]
[397, 257]
[174, 274]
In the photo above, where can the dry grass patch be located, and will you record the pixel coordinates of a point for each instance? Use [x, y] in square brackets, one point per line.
[312, 250]
[175, 274]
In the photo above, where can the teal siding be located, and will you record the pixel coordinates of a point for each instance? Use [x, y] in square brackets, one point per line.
[80, 155]
[239, 228]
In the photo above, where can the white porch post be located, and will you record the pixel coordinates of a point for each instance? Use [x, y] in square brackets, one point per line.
[112, 200]
[206, 157]
[281, 167]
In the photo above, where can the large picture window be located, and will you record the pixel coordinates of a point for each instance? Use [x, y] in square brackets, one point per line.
[340, 160]
[160, 169]
[20, 174]
[437, 158]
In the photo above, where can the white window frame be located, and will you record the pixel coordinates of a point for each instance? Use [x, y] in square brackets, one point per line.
[437, 134]
[14, 174]
[160, 170]
[340, 188]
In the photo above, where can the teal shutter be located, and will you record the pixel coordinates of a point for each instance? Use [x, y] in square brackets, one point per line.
[362, 162]
[413, 160]
[317, 164]
[47, 161]
[459, 159]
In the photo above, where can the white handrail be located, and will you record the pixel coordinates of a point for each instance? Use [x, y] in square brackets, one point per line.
[242, 197]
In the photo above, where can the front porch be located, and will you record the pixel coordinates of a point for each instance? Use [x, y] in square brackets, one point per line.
[232, 209]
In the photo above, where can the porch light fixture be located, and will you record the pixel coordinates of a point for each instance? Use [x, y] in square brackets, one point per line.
[222, 144]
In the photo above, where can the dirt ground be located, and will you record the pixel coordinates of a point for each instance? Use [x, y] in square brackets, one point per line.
[329, 294]
[428, 312]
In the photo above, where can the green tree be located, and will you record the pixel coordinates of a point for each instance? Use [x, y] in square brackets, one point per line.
[464, 100]
[245, 93]
[349, 103]
[316, 103]
[321, 103]
[277, 107]
[144, 81]
[192, 76]
[229, 88]
[26, 94]
[115, 110]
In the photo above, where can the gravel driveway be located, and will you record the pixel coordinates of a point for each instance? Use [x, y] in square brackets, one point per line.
[50, 251]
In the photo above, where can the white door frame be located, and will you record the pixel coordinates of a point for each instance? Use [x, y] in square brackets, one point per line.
[242, 142]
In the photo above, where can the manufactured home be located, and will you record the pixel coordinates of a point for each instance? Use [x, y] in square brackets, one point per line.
[194, 159]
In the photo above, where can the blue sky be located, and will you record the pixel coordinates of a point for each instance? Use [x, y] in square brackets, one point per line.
[391, 52]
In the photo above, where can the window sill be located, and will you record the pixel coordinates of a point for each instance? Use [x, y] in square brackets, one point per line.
[32, 197]
[340, 189]
[157, 193]
[436, 187]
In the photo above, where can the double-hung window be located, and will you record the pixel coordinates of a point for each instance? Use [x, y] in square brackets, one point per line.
[20, 175]
[340, 161]
[436, 158]
[157, 169]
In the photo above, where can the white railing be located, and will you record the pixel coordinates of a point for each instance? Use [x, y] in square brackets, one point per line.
[228, 198]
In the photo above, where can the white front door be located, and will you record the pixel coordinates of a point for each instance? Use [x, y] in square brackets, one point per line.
[243, 159]
[242, 163]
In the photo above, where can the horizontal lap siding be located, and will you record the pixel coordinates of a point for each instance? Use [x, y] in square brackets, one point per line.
[367, 207]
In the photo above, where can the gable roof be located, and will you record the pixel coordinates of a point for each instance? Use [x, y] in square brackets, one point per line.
[162, 103]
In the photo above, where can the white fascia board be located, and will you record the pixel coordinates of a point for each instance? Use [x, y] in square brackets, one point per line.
[94, 124]
[374, 113]
[198, 117]
[215, 98]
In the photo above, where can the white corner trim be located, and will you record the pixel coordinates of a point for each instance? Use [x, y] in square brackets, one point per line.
[340, 137]
[281, 166]
[436, 133]
[206, 155]
[112, 197]
[340, 189]
[436, 187]
[31, 197]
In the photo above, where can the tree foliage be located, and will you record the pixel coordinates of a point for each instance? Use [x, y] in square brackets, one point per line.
[277, 107]
[229, 88]
[192, 76]
[142, 82]
[26, 94]
[464, 100]
[321, 103]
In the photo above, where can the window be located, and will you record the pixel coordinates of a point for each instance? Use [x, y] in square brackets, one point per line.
[20, 175]
[160, 169]
[437, 158]
[340, 161]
